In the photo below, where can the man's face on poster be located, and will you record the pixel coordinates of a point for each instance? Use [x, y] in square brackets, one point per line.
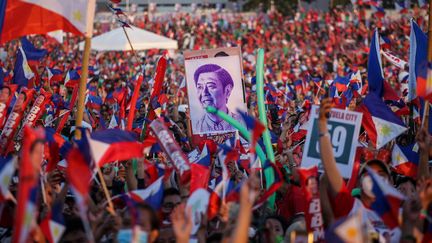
[211, 90]
[19, 102]
[312, 185]
[4, 95]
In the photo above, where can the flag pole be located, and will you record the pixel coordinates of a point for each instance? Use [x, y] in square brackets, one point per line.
[80, 105]
[82, 87]
[132, 49]
[111, 209]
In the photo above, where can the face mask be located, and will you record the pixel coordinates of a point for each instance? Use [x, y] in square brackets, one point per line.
[126, 236]
[366, 185]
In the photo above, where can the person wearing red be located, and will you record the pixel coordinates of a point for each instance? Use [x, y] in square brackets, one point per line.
[338, 190]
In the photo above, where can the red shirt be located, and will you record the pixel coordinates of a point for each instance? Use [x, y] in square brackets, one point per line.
[292, 202]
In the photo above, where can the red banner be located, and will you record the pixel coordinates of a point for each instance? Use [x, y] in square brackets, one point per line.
[172, 150]
[65, 117]
[313, 215]
[158, 84]
[37, 110]
[4, 106]
[134, 99]
[14, 119]
[26, 210]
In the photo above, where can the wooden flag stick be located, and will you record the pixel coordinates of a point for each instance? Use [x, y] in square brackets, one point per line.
[105, 189]
[80, 111]
[82, 88]
[133, 50]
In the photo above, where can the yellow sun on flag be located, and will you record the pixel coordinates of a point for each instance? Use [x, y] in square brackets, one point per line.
[56, 231]
[77, 16]
[398, 158]
[385, 130]
[352, 232]
[28, 217]
[6, 180]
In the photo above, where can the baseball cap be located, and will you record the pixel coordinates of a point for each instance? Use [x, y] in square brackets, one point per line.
[378, 162]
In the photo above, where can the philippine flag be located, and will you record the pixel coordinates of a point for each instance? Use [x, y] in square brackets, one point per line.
[27, 216]
[385, 42]
[22, 71]
[401, 6]
[378, 11]
[405, 160]
[356, 82]
[418, 83]
[387, 200]
[72, 78]
[255, 126]
[379, 121]
[351, 228]
[182, 90]
[79, 175]
[26, 209]
[54, 75]
[24, 17]
[114, 144]
[341, 83]
[422, 3]
[53, 225]
[375, 72]
[152, 195]
[200, 171]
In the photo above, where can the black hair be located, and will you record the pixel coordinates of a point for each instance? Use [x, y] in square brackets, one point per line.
[221, 54]
[7, 87]
[216, 237]
[72, 225]
[38, 140]
[25, 95]
[281, 220]
[404, 179]
[222, 74]
[171, 191]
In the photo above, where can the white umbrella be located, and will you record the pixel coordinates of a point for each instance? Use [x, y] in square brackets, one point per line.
[115, 40]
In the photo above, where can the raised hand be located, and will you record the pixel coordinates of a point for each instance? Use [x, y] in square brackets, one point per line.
[425, 192]
[423, 139]
[181, 219]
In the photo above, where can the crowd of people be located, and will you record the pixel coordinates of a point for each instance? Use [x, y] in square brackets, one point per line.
[304, 54]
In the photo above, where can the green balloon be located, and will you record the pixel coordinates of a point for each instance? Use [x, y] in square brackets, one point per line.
[261, 105]
[237, 125]
[263, 118]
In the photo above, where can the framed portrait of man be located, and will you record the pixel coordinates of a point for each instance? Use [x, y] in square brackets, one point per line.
[214, 78]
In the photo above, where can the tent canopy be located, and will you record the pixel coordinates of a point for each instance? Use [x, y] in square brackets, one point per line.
[115, 40]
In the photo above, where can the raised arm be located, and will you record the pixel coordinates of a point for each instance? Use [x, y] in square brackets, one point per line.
[248, 194]
[326, 148]
[423, 140]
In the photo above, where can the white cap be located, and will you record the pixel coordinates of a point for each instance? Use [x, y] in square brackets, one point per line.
[84, 125]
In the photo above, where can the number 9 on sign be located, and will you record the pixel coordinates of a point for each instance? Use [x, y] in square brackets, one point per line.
[340, 138]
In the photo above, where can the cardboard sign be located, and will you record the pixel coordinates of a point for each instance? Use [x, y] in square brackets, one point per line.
[344, 128]
[214, 78]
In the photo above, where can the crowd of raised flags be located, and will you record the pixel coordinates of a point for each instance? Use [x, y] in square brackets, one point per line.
[127, 173]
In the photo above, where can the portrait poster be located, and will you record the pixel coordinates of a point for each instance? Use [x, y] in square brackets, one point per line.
[214, 78]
